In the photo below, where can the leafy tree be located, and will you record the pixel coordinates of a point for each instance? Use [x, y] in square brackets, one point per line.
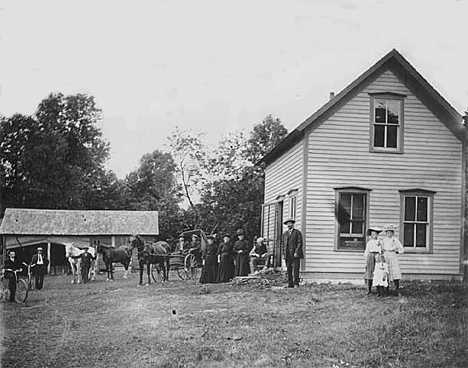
[105, 192]
[229, 159]
[264, 137]
[234, 200]
[190, 157]
[153, 187]
[50, 159]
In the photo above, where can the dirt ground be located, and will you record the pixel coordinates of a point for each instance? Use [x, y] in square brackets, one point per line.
[244, 324]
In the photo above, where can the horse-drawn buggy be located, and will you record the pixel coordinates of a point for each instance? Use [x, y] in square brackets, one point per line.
[186, 258]
[160, 258]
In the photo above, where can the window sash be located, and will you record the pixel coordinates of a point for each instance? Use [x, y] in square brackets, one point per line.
[352, 216]
[386, 124]
[416, 221]
[293, 207]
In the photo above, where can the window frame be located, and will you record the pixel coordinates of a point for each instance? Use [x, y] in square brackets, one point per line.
[401, 122]
[292, 203]
[351, 190]
[429, 194]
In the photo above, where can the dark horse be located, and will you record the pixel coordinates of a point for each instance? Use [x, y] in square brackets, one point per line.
[151, 254]
[112, 255]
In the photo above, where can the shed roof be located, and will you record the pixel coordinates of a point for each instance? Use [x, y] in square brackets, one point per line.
[415, 82]
[20, 221]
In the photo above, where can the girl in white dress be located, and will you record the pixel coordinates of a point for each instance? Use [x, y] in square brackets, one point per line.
[380, 274]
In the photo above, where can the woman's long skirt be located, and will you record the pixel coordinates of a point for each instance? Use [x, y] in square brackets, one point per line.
[394, 272]
[242, 265]
[370, 266]
[226, 268]
[209, 273]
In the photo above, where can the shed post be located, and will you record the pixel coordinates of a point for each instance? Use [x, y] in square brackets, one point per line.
[48, 256]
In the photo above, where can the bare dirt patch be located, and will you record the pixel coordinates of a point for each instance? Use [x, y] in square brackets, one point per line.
[253, 323]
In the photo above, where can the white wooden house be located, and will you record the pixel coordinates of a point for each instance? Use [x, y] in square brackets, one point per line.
[387, 149]
[25, 229]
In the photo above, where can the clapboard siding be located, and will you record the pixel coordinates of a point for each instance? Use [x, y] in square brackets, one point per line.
[283, 175]
[338, 156]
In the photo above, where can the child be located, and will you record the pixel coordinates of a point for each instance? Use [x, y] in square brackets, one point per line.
[380, 274]
[373, 247]
[391, 246]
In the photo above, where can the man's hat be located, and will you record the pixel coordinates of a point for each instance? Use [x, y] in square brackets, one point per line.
[289, 220]
[227, 235]
[181, 237]
[371, 229]
[195, 236]
[240, 232]
[210, 237]
[40, 248]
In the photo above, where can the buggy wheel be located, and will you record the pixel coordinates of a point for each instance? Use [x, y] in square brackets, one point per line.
[156, 273]
[181, 273]
[191, 266]
[21, 291]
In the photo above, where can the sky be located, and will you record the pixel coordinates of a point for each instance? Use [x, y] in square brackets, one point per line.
[216, 66]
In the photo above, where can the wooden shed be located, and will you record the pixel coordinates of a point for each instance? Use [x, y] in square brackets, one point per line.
[26, 229]
[387, 149]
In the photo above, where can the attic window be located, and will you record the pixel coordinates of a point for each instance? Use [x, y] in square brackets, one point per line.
[386, 122]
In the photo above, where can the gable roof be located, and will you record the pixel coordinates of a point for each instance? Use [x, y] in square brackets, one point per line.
[20, 221]
[412, 79]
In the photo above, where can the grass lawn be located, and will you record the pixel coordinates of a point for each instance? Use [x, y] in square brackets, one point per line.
[254, 324]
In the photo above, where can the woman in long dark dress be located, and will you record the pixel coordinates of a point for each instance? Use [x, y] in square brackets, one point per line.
[226, 260]
[242, 249]
[210, 262]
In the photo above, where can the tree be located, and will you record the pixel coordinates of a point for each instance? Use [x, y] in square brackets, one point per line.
[153, 187]
[234, 200]
[50, 159]
[264, 137]
[190, 157]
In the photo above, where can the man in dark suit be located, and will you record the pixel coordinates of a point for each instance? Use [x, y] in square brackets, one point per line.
[292, 252]
[86, 260]
[12, 266]
[39, 264]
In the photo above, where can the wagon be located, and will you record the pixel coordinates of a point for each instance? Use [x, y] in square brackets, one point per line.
[185, 263]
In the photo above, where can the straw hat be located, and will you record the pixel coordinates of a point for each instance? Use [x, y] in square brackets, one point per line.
[371, 229]
[390, 227]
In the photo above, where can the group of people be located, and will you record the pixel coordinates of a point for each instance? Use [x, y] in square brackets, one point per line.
[382, 266]
[38, 265]
[226, 260]
[222, 262]
[13, 266]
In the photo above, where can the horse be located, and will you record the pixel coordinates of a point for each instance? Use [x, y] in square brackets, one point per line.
[151, 254]
[73, 255]
[110, 255]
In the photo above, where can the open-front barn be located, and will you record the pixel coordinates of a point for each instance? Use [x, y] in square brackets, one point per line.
[26, 229]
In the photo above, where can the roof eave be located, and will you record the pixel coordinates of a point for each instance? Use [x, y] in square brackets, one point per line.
[286, 144]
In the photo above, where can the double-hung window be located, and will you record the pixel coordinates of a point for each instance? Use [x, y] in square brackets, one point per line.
[387, 128]
[416, 219]
[351, 218]
[292, 194]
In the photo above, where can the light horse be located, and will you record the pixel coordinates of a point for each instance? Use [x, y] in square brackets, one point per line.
[151, 254]
[110, 255]
[73, 255]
